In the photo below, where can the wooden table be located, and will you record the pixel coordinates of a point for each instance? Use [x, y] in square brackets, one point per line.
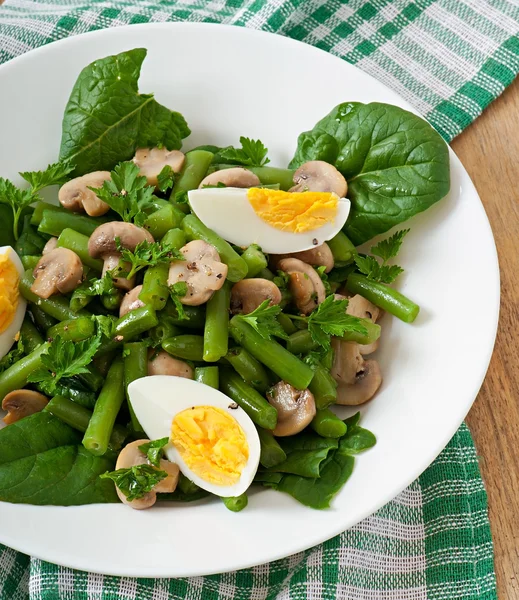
[489, 149]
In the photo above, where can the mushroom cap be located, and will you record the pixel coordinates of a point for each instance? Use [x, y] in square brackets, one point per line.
[248, 294]
[319, 256]
[347, 361]
[202, 271]
[22, 403]
[305, 284]
[162, 363]
[113, 261]
[237, 177]
[367, 382]
[359, 307]
[76, 196]
[51, 244]
[151, 161]
[57, 272]
[102, 240]
[296, 408]
[319, 176]
[131, 301]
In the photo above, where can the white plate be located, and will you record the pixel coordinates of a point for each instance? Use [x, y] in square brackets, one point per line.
[230, 82]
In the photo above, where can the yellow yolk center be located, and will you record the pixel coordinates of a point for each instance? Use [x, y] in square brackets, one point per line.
[211, 443]
[8, 291]
[294, 211]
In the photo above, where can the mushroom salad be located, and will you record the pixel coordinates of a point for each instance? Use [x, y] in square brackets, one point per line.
[181, 324]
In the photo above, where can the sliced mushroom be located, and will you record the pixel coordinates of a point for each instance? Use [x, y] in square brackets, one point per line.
[296, 408]
[366, 384]
[131, 456]
[58, 272]
[131, 301]
[152, 161]
[22, 403]
[347, 361]
[320, 256]
[305, 284]
[248, 294]
[51, 245]
[319, 176]
[359, 307]
[161, 363]
[202, 271]
[76, 195]
[236, 177]
[102, 245]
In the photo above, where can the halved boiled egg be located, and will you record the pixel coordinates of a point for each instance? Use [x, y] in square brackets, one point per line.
[280, 222]
[211, 439]
[12, 305]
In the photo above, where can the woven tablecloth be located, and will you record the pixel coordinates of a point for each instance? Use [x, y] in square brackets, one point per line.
[450, 59]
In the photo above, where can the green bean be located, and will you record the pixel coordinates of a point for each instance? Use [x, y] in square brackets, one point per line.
[194, 170]
[42, 320]
[266, 274]
[249, 369]
[165, 329]
[195, 229]
[74, 330]
[40, 207]
[155, 289]
[93, 378]
[135, 367]
[327, 359]
[286, 322]
[103, 362]
[272, 354]
[301, 341]
[269, 175]
[323, 386]
[30, 336]
[53, 222]
[272, 453]
[57, 306]
[195, 315]
[162, 220]
[342, 249]
[29, 242]
[16, 376]
[188, 347]
[255, 259]
[100, 427]
[327, 424]
[29, 261]
[236, 503]
[208, 375]
[78, 417]
[174, 237]
[253, 403]
[384, 297]
[112, 300]
[216, 331]
[78, 243]
[70, 389]
[339, 274]
[129, 326]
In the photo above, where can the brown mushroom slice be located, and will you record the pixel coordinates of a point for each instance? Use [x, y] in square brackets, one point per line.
[22, 403]
[347, 361]
[102, 245]
[296, 408]
[359, 307]
[319, 176]
[131, 456]
[237, 177]
[202, 271]
[75, 195]
[367, 382]
[152, 161]
[58, 272]
[248, 294]
[319, 256]
[51, 245]
[305, 284]
[161, 363]
[131, 301]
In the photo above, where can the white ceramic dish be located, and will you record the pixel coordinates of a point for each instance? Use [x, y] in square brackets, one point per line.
[230, 82]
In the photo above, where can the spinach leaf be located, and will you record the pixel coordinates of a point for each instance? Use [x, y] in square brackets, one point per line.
[42, 462]
[306, 463]
[357, 440]
[106, 118]
[395, 163]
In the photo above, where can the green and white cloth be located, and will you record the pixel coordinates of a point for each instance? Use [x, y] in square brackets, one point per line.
[450, 59]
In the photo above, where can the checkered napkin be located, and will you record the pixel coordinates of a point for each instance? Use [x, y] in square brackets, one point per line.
[450, 59]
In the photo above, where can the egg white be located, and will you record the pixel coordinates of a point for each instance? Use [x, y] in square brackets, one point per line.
[7, 337]
[228, 212]
[157, 399]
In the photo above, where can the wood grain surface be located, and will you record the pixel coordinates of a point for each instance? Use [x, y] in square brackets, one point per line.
[489, 150]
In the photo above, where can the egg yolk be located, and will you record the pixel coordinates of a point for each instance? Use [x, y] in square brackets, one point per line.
[294, 211]
[8, 291]
[211, 443]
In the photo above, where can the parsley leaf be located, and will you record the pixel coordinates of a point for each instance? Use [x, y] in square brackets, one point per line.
[181, 197]
[55, 174]
[13, 356]
[146, 254]
[389, 248]
[165, 179]
[105, 325]
[17, 199]
[154, 450]
[321, 271]
[252, 153]
[386, 249]
[281, 280]
[136, 481]
[176, 291]
[264, 320]
[82, 295]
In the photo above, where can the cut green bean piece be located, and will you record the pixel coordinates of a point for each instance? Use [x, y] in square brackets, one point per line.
[194, 170]
[327, 424]
[30, 335]
[53, 222]
[208, 375]
[255, 259]
[165, 329]
[74, 330]
[288, 325]
[174, 237]
[342, 249]
[272, 453]
[236, 503]
[162, 220]
[194, 315]
[42, 320]
[135, 366]
[266, 274]
[93, 378]
[129, 326]
[323, 386]
[155, 289]
[188, 347]
[16, 376]
[78, 243]
[249, 369]
[268, 175]
[39, 209]
[216, 331]
[302, 342]
[29, 261]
